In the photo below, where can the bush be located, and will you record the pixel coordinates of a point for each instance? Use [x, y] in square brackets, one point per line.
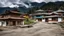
[28, 22]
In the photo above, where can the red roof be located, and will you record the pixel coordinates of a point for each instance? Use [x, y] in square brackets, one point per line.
[11, 11]
[12, 18]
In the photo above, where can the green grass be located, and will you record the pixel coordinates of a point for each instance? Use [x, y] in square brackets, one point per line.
[28, 22]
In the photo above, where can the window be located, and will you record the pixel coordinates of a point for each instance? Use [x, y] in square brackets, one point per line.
[63, 14]
[54, 19]
[38, 15]
[3, 22]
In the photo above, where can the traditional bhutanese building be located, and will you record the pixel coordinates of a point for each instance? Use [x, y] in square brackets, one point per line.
[11, 18]
[39, 14]
[49, 16]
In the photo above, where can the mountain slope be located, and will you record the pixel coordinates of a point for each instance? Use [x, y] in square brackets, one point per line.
[49, 5]
[35, 5]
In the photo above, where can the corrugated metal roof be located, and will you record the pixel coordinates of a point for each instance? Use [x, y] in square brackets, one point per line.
[39, 10]
[59, 10]
[52, 16]
[11, 18]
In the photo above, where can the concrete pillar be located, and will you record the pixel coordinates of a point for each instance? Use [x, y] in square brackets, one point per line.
[0, 23]
[22, 22]
[16, 23]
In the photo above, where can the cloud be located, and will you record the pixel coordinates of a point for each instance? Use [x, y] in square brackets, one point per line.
[12, 3]
[53, 0]
[39, 1]
[16, 3]
[6, 3]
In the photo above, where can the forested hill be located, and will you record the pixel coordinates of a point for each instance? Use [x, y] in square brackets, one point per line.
[53, 5]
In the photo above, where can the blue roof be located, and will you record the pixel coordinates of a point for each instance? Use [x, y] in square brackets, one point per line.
[38, 16]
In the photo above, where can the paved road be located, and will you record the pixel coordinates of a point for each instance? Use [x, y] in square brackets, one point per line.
[39, 29]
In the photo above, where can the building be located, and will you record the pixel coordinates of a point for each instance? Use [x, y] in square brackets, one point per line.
[40, 14]
[11, 18]
[49, 16]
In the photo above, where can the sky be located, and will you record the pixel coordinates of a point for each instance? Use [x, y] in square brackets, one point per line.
[16, 3]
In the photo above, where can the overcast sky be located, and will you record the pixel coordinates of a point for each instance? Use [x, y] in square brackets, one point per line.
[16, 3]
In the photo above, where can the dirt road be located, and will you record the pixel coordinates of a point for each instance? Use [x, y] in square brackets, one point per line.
[39, 29]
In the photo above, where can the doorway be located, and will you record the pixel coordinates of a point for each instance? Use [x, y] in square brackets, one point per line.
[6, 23]
[14, 23]
[46, 20]
[40, 20]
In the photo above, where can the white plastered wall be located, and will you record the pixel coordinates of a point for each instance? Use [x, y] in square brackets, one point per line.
[59, 19]
[43, 20]
[2, 23]
[36, 20]
[50, 20]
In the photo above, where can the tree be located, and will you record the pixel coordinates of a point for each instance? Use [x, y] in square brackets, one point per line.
[32, 10]
[49, 5]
